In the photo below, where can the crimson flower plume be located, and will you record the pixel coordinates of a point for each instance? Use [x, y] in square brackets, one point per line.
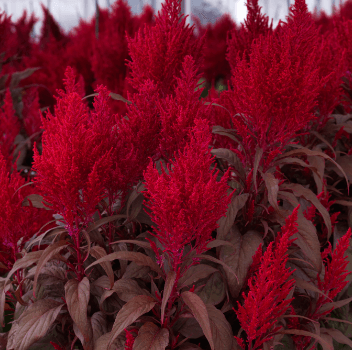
[269, 289]
[186, 200]
[157, 52]
[70, 170]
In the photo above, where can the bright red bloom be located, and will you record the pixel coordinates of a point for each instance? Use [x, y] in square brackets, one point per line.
[17, 223]
[158, 52]
[178, 113]
[215, 64]
[71, 168]
[331, 285]
[240, 40]
[186, 200]
[275, 92]
[335, 273]
[31, 112]
[267, 299]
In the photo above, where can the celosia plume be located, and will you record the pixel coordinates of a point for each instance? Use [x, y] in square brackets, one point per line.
[240, 40]
[17, 223]
[71, 167]
[158, 52]
[186, 200]
[267, 299]
[178, 113]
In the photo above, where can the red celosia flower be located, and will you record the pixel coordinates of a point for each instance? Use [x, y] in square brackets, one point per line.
[331, 285]
[335, 273]
[139, 133]
[110, 51]
[158, 52]
[275, 92]
[186, 200]
[267, 299]
[240, 40]
[31, 112]
[178, 113]
[215, 65]
[17, 223]
[71, 168]
[129, 340]
[9, 128]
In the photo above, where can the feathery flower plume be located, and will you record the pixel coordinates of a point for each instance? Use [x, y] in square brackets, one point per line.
[71, 166]
[157, 52]
[267, 299]
[17, 223]
[186, 200]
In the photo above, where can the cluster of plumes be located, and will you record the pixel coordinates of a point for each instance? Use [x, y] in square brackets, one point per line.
[158, 52]
[15, 40]
[186, 200]
[83, 48]
[269, 289]
[74, 160]
[17, 223]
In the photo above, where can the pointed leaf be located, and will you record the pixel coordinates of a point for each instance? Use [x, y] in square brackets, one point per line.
[239, 257]
[46, 255]
[220, 328]
[200, 313]
[307, 240]
[272, 186]
[300, 191]
[335, 305]
[34, 323]
[195, 273]
[77, 296]
[151, 337]
[99, 252]
[257, 159]
[226, 222]
[138, 258]
[307, 334]
[129, 313]
[168, 288]
[338, 336]
[104, 221]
